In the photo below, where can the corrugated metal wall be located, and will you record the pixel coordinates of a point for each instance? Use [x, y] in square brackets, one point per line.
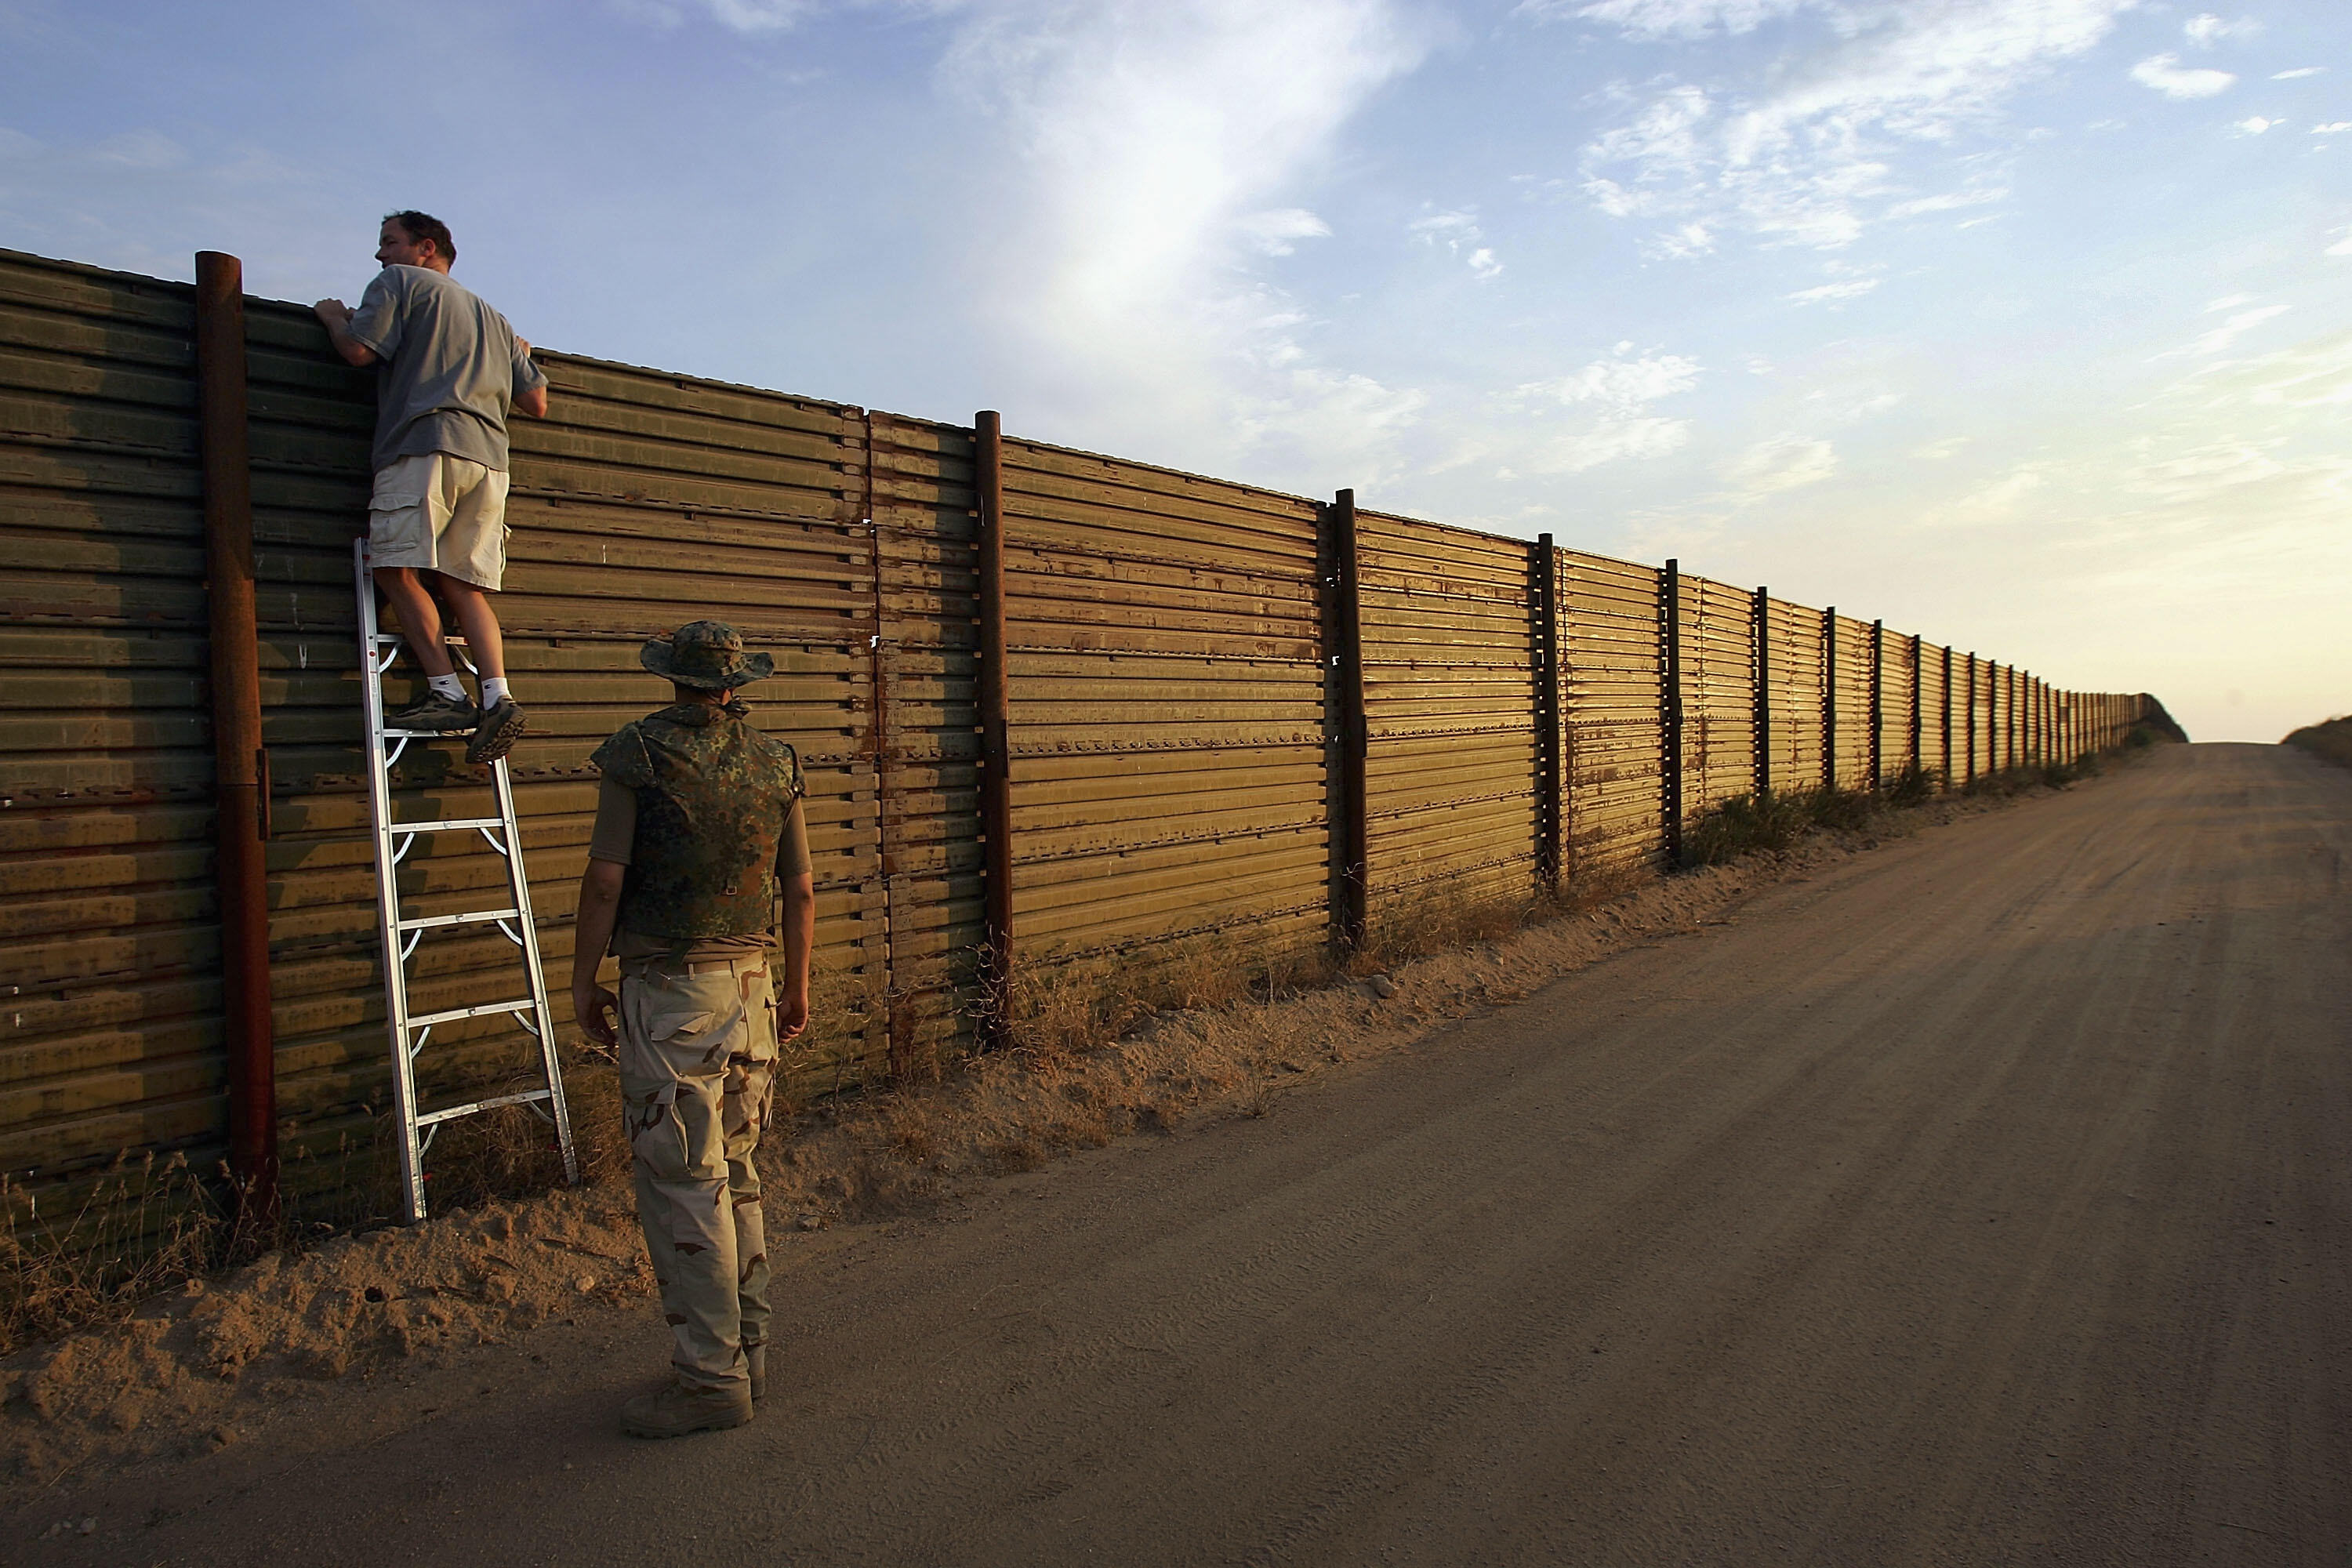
[1172, 728]
[110, 943]
[1719, 673]
[924, 510]
[1615, 665]
[1450, 700]
[1795, 664]
[1167, 721]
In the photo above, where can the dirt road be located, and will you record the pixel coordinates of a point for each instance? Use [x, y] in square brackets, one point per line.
[1986, 1199]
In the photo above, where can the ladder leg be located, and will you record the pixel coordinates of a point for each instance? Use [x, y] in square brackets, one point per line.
[374, 657]
[408, 1030]
[527, 935]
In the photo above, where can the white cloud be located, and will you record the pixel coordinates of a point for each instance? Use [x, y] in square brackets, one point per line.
[2252, 125]
[1619, 390]
[1812, 160]
[2238, 325]
[1782, 463]
[2299, 72]
[1459, 234]
[1147, 147]
[1276, 232]
[1666, 18]
[2342, 246]
[1846, 288]
[2165, 74]
[1610, 440]
[742, 16]
[2315, 374]
[2206, 30]
[1950, 201]
[2332, 127]
[1619, 382]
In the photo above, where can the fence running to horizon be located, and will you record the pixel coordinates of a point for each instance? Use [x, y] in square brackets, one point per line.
[1230, 716]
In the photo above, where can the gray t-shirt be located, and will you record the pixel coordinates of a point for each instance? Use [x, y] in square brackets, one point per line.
[450, 368]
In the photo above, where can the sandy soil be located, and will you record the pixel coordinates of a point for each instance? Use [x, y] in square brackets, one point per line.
[1982, 1199]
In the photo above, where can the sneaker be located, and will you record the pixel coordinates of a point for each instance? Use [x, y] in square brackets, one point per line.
[756, 1358]
[677, 1410]
[495, 736]
[434, 713]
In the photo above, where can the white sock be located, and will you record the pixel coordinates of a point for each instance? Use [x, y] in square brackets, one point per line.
[448, 686]
[493, 687]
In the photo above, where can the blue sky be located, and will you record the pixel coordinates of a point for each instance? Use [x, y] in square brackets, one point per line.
[2021, 323]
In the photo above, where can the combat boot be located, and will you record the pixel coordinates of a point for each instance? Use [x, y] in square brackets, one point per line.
[755, 1357]
[677, 1410]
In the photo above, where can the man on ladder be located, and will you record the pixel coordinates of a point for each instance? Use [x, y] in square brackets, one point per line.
[452, 368]
[698, 833]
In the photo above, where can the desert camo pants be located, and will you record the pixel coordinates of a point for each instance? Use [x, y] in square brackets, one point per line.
[698, 1070]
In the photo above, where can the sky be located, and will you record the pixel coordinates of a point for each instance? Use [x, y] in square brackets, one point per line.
[2021, 325]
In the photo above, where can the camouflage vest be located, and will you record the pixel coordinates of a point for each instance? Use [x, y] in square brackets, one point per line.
[712, 793]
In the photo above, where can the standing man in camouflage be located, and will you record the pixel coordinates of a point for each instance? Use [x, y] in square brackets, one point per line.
[698, 832]
[450, 370]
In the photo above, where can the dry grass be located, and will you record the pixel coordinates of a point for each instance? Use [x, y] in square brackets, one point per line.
[149, 1223]
[2330, 739]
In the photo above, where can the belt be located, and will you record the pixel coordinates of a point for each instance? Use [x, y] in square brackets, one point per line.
[636, 967]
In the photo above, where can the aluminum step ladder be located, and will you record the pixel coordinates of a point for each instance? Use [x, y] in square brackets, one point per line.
[401, 935]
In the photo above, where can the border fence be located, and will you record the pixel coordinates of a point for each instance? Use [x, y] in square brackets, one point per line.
[1215, 714]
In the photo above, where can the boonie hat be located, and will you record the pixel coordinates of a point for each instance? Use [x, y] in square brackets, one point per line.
[704, 654]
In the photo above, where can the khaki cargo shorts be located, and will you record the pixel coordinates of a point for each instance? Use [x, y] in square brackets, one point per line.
[440, 514]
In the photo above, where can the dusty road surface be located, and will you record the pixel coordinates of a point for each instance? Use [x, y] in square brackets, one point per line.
[1986, 1199]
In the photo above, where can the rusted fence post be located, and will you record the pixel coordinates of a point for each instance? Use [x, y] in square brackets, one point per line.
[241, 765]
[2009, 735]
[1829, 697]
[1543, 618]
[1947, 662]
[1763, 638]
[1877, 704]
[995, 736]
[1918, 705]
[1669, 711]
[1349, 734]
[1969, 726]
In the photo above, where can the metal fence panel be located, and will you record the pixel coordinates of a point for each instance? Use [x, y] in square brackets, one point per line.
[1609, 615]
[1167, 775]
[1718, 672]
[1449, 694]
[925, 510]
[1795, 665]
[109, 946]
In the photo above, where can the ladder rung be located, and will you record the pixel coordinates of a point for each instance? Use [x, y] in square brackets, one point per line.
[454, 1014]
[455, 1111]
[479, 917]
[451, 825]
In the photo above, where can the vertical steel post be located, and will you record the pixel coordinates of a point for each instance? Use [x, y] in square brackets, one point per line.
[1349, 735]
[1669, 711]
[1543, 607]
[241, 765]
[995, 735]
[1969, 726]
[1763, 640]
[1829, 697]
[2009, 717]
[1947, 662]
[1919, 704]
[1877, 704]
